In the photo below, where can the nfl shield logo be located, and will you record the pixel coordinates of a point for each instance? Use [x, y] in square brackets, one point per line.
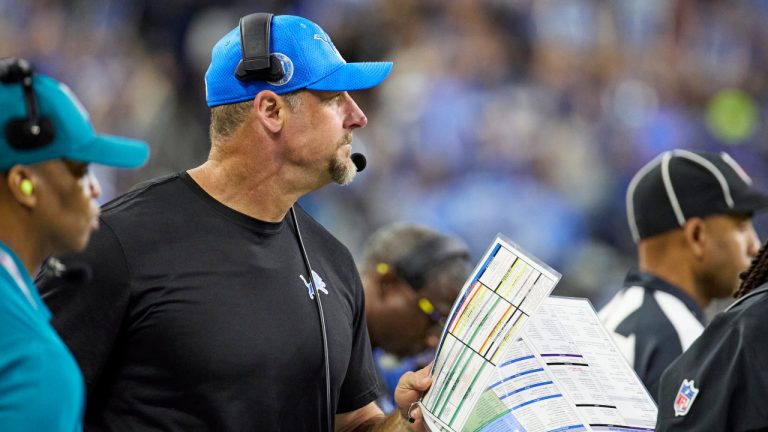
[685, 397]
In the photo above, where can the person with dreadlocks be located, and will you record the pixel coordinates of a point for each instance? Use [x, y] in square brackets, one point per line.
[719, 383]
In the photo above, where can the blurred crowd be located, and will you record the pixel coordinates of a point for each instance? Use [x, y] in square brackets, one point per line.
[520, 117]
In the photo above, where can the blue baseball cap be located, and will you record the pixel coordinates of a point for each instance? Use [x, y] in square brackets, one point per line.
[309, 59]
[74, 138]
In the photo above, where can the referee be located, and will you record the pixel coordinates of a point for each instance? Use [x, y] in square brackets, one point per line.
[691, 216]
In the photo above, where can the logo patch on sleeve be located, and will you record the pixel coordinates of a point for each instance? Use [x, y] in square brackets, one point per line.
[685, 397]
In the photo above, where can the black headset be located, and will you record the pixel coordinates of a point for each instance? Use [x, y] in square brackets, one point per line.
[33, 131]
[257, 64]
[416, 264]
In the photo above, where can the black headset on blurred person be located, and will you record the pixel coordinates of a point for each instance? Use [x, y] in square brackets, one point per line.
[33, 131]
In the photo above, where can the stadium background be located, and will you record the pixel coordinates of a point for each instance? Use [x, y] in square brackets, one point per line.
[521, 117]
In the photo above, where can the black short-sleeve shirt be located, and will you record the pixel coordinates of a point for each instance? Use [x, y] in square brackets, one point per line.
[198, 317]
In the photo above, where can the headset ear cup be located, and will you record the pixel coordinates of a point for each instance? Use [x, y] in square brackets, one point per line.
[33, 131]
[276, 72]
[21, 137]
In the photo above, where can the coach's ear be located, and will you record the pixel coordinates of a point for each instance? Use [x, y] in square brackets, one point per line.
[271, 110]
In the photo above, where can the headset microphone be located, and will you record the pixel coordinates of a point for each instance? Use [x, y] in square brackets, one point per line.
[359, 160]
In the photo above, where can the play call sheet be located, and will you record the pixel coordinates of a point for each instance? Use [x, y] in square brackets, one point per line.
[500, 296]
[564, 374]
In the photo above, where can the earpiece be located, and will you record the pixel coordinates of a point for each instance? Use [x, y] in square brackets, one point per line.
[26, 187]
[35, 130]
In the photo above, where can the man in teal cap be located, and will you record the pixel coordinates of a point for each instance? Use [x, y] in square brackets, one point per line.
[47, 206]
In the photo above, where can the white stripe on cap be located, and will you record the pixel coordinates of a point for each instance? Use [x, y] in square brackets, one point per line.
[736, 167]
[631, 195]
[713, 169]
[671, 189]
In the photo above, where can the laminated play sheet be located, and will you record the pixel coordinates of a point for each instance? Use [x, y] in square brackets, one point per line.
[501, 294]
[565, 373]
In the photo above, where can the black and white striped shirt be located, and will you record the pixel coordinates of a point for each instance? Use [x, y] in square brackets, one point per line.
[652, 322]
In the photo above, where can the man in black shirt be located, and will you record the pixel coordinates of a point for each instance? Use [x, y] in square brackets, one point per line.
[690, 213]
[201, 313]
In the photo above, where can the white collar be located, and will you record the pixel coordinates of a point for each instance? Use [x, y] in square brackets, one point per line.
[9, 264]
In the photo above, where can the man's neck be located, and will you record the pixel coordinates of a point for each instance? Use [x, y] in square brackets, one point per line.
[678, 275]
[259, 192]
[23, 240]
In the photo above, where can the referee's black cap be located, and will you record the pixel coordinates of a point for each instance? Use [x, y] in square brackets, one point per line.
[681, 184]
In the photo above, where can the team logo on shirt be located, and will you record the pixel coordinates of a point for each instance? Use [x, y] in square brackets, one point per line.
[685, 397]
[318, 282]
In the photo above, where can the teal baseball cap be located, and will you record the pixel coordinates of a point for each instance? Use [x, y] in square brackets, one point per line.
[308, 58]
[74, 136]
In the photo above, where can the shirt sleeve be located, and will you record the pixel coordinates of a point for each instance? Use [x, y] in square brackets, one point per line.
[361, 384]
[88, 311]
[34, 393]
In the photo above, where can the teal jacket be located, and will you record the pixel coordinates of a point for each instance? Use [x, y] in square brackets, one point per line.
[41, 387]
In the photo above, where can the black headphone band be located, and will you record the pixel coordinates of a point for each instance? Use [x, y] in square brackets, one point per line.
[14, 70]
[413, 267]
[257, 64]
[33, 131]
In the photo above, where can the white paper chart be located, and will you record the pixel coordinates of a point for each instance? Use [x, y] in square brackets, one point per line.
[505, 289]
[564, 374]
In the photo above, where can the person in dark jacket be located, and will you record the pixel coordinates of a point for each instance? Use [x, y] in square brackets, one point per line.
[720, 382]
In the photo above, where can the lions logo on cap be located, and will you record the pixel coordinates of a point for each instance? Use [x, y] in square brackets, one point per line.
[325, 38]
[685, 397]
[287, 70]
